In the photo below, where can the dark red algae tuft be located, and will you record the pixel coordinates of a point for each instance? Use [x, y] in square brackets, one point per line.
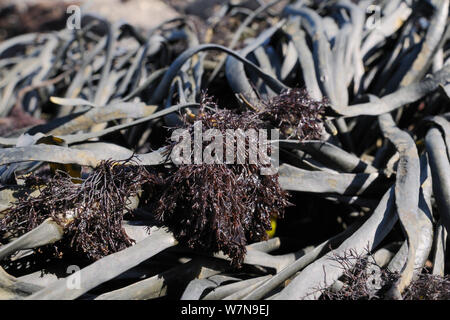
[221, 207]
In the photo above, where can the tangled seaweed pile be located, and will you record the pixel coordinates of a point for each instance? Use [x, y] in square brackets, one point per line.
[364, 279]
[361, 105]
[221, 206]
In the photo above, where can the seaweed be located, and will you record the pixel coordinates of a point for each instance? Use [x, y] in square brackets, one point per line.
[91, 210]
[215, 207]
[365, 279]
[359, 97]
